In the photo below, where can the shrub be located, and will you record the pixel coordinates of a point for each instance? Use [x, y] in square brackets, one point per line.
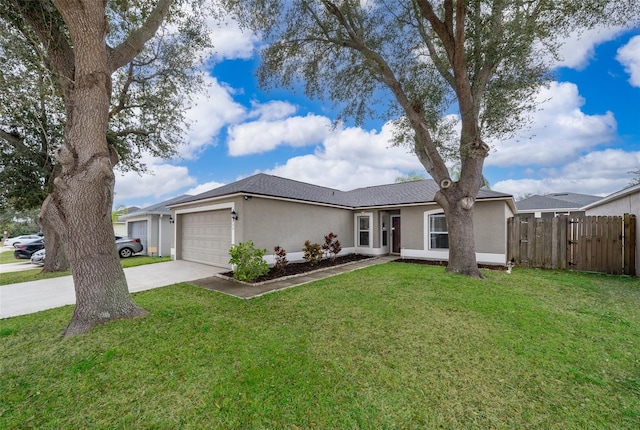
[281, 258]
[312, 252]
[331, 246]
[248, 261]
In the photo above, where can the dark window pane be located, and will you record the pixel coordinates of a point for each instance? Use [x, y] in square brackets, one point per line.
[439, 241]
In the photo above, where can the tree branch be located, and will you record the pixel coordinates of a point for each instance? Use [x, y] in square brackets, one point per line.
[123, 94]
[49, 26]
[133, 45]
[13, 140]
[128, 131]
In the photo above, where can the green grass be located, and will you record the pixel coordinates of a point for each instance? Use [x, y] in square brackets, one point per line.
[391, 346]
[37, 274]
[7, 257]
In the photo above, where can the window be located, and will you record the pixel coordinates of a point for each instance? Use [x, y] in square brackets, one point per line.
[438, 233]
[363, 230]
[384, 234]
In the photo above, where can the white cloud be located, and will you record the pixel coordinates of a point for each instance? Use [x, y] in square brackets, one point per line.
[231, 42]
[578, 49]
[596, 173]
[560, 131]
[273, 110]
[351, 158]
[201, 188]
[629, 57]
[262, 136]
[163, 181]
[211, 112]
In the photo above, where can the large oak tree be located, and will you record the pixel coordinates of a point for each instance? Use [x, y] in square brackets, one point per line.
[149, 97]
[84, 44]
[486, 58]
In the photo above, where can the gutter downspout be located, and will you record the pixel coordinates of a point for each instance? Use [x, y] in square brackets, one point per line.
[160, 236]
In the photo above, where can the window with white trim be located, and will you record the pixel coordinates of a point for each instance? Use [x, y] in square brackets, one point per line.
[438, 232]
[364, 230]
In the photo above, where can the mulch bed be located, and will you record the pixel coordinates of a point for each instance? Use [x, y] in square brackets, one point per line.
[304, 267]
[444, 263]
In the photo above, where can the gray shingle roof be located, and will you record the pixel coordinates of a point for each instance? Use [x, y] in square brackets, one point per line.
[555, 201]
[381, 195]
[161, 208]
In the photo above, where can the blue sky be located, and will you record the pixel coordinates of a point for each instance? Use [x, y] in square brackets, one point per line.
[585, 137]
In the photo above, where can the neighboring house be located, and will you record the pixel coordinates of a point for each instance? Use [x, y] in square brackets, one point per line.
[153, 225]
[554, 204]
[120, 226]
[625, 201]
[400, 219]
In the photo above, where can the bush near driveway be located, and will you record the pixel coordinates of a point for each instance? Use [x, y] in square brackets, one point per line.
[390, 346]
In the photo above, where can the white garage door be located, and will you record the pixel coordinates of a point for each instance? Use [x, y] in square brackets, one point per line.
[206, 237]
[138, 230]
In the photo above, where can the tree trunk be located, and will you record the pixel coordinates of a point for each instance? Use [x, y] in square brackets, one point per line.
[80, 205]
[458, 210]
[56, 260]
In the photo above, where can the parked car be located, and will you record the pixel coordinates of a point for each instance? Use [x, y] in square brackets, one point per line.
[37, 257]
[25, 238]
[128, 246]
[24, 251]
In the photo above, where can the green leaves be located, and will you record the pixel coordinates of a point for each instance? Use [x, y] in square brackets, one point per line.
[248, 261]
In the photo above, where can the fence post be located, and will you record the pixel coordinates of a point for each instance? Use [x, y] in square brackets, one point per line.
[629, 245]
[563, 242]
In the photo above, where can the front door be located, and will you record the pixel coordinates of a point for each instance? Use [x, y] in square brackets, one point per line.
[395, 234]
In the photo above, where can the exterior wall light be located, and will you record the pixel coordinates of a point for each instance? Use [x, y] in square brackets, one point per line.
[234, 215]
[171, 220]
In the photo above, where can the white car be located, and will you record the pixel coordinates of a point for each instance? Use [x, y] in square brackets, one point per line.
[37, 257]
[21, 240]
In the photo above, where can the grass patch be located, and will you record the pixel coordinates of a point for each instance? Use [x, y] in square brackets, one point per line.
[390, 346]
[141, 260]
[37, 274]
[7, 257]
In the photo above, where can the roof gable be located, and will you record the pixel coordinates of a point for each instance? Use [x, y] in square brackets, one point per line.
[631, 189]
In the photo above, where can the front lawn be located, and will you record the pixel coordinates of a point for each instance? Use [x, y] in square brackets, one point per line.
[36, 274]
[7, 257]
[390, 346]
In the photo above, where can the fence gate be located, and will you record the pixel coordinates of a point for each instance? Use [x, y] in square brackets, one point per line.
[603, 244]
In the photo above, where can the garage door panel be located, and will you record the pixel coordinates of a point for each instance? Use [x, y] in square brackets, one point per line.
[206, 237]
[138, 229]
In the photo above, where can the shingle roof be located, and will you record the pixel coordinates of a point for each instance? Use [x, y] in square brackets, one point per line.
[161, 208]
[555, 201]
[381, 195]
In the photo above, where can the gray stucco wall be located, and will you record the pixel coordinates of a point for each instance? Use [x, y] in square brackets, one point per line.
[490, 226]
[489, 221]
[166, 240]
[270, 222]
[412, 226]
[154, 234]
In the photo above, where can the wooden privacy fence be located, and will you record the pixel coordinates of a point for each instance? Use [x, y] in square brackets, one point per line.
[605, 244]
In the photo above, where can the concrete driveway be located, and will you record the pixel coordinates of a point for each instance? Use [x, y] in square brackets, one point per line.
[29, 297]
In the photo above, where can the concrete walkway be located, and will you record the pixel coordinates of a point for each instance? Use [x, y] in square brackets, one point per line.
[248, 291]
[29, 297]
